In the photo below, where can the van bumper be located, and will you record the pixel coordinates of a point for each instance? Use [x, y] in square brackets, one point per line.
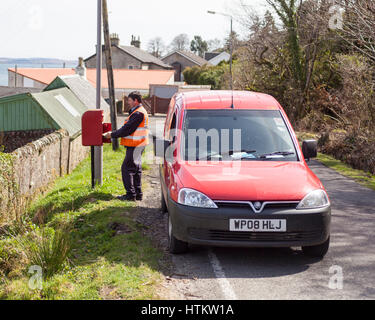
[211, 226]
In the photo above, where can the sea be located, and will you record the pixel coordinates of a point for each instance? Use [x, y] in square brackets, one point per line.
[4, 69]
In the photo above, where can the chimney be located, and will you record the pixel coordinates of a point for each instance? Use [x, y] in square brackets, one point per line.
[136, 43]
[115, 40]
[81, 68]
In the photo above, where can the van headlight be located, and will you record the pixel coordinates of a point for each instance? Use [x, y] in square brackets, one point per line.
[193, 198]
[315, 199]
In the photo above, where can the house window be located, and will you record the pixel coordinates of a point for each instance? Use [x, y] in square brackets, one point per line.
[131, 67]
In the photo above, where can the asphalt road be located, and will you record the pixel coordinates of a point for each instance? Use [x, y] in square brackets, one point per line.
[227, 273]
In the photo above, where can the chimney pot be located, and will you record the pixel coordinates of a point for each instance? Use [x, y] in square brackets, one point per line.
[115, 40]
[81, 68]
[136, 42]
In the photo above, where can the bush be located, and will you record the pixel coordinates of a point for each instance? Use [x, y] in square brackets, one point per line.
[206, 75]
[9, 190]
[353, 147]
[12, 259]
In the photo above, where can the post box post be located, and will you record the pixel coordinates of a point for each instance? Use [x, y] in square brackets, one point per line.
[92, 134]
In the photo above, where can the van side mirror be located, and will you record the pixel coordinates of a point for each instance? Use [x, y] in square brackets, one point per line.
[310, 149]
[161, 147]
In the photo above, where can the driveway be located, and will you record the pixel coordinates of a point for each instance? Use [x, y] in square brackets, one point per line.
[227, 273]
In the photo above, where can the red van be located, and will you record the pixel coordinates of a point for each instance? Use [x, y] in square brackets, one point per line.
[234, 174]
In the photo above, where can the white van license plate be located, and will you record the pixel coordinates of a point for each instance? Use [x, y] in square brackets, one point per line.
[257, 225]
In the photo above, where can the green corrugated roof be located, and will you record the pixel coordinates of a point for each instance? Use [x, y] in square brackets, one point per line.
[63, 107]
[21, 112]
[82, 88]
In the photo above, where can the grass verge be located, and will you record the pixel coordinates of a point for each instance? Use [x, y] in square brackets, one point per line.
[360, 176]
[107, 255]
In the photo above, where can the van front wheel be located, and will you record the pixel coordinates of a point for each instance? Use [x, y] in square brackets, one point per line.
[175, 246]
[164, 207]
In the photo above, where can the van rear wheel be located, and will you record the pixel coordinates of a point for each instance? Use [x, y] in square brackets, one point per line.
[318, 251]
[175, 246]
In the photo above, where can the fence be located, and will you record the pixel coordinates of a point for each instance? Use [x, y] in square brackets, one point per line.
[159, 105]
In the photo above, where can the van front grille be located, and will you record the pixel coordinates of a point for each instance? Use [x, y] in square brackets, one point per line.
[220, 235]
[276, 205]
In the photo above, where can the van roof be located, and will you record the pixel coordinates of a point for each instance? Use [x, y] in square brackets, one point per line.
[217, 99]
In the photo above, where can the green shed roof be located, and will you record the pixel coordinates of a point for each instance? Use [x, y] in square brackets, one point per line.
[82, 88]
[22, 113]
[63, 107]
[54, 109]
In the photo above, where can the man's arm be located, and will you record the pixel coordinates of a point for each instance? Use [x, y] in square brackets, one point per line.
[130, 127]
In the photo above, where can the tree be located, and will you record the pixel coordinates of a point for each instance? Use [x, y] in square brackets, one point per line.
[214, 45]
[199, 46]
[287, 12]
[156, 47]
[355, 23]
[288, 62]
[236, 42]
[180, 42]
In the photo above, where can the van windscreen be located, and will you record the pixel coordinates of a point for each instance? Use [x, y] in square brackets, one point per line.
[244, 135]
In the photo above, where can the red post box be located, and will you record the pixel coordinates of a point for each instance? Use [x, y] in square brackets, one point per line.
[93, 128]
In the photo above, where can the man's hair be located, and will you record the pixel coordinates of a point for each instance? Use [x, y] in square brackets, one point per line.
[135, 95]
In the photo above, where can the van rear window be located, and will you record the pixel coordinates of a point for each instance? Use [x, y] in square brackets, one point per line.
[243, 135]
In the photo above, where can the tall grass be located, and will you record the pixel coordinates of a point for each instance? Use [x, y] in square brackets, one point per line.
[47, 249]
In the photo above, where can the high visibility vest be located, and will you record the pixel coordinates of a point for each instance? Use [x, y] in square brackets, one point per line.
[140, 137]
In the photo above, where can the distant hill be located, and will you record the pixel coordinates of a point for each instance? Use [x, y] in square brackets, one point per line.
[35, 61]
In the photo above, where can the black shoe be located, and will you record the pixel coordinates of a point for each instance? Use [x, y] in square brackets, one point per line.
[139, 197]
[126, 198]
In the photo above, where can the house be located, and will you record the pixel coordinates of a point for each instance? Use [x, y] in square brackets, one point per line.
[180, 60]
[125, 80]
[129, 57]
[37, 78]
[215, 58]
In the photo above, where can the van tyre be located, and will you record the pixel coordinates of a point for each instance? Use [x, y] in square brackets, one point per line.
[164, 208]
[318, 251]
[175, 246]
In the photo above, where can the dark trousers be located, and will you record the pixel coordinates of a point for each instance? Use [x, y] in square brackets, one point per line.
[132, 171]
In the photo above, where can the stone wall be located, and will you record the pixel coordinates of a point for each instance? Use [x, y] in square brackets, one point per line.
[12, 140]
[36, 165]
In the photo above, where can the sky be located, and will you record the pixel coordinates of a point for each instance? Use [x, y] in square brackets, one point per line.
[66, 29]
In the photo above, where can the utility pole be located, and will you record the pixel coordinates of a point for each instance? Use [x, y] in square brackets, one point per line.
[98, 151]
[15, 77]
[111, 87]
[231, 52]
